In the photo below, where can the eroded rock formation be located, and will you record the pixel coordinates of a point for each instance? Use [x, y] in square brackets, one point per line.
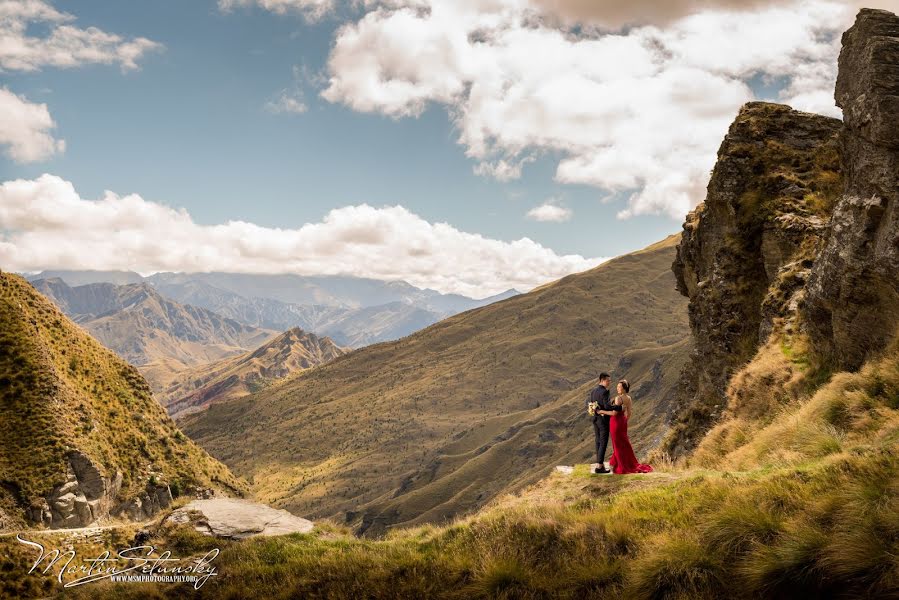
[852, 305]
[87, 496]
[746, 252]
[799, 231]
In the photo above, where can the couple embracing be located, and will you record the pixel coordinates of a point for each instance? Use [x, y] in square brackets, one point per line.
[610, 418]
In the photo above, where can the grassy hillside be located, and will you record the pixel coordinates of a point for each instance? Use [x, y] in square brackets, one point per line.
[61, 390]
[293, 351]
[438, 423]
[796, 516]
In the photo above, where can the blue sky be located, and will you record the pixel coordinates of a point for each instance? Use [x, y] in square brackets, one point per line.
[189, 129]
[401, 107]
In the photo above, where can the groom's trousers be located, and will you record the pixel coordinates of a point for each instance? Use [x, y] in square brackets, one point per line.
[601, 433]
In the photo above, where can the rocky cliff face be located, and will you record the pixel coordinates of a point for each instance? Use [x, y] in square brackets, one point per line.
[852, 305]
[746, 252]
[799, 232]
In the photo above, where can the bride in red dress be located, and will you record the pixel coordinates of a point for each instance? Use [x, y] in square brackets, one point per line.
[623, 459]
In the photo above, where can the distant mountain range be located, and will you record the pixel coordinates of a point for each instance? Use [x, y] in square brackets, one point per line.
[159, 335]
[353, 311]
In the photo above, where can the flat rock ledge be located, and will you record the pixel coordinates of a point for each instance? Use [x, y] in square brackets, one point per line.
[235, 518]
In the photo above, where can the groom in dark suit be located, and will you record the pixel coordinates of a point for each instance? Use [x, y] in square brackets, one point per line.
[601, 396]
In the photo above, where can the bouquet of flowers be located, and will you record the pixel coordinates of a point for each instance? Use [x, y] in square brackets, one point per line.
[591, 408]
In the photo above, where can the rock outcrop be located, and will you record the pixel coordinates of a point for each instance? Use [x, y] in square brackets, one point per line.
[852, 304]
[746, 251]
[87, 496]
[155, 497]
[233, 518]
[799, 233]
[81, 436]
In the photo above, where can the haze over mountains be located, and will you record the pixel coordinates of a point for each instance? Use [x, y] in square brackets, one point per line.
[352, 311]
[763, 354]
[160, 336]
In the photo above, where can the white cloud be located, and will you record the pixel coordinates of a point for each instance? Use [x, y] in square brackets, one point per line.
[25, 126]
[550, 212]
[502, 169]
[310, 9]
[25, 129]
[640, 111]
[291, 100]
[618, 13]
[64, 45]
[287, 102]
[44, 223]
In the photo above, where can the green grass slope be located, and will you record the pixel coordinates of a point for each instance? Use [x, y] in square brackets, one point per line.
[436, 424]
[60, 390]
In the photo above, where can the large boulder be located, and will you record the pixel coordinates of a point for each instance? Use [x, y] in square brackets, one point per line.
[852, 300]
[235, 518]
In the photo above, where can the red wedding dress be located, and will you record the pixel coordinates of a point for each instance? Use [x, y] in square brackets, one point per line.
[623, 460]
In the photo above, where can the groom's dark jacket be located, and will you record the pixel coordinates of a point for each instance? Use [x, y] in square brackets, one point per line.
[602, 397]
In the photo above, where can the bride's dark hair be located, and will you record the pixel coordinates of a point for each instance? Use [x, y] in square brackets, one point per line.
[625, 385]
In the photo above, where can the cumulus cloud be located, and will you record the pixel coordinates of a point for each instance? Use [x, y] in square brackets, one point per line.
[25, 129]
[311, 9]
[502, 169]
[618, 13]
[549, 212]
[44, 223]
[63, 45]
[639, 111]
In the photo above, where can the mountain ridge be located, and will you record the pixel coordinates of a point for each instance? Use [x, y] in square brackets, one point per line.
[352, 319]
[158, 335]
[293, 351]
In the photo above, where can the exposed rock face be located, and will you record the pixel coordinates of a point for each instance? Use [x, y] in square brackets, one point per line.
[80, 432]
[852, 304]
[154, 498]
[237, 519]
[85, 497]
[746, 252]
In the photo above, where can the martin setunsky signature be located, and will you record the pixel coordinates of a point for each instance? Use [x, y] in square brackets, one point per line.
[135, 564]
